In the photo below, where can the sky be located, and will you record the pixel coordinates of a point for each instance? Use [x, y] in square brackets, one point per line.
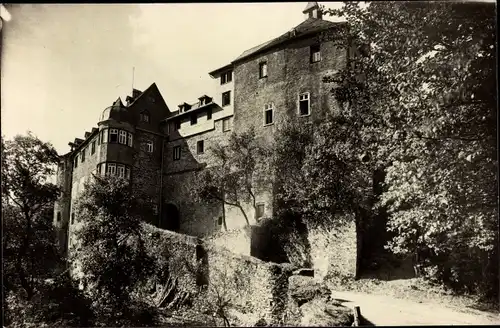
[63, 64]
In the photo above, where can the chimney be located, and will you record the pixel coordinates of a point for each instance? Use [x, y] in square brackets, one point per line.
[312, 11]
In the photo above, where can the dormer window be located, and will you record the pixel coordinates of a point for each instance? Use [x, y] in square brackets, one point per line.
[205, 100]
[184, 107]
[226, 77]
[145, 117]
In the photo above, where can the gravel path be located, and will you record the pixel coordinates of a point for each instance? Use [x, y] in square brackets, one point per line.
[388, 311]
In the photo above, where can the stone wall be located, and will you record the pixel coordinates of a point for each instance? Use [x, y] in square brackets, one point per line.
[179, 254]
[237, 241]
[255, 288]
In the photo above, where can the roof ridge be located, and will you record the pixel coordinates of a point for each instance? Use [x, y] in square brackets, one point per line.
[286, 36]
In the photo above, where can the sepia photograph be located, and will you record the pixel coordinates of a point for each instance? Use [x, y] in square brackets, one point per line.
[237, 164]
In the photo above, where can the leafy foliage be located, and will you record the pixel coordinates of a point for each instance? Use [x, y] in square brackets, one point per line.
[425, 98]
[109, 250]
[234, 179]
[27, 199]
[35, 292]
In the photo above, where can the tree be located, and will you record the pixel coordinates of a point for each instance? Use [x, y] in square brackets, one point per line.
[27, 199]
[235, 179]
[426, 104]
[109, 249]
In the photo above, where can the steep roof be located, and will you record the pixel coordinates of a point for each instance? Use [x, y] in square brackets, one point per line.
[309, 26]
[311, 5]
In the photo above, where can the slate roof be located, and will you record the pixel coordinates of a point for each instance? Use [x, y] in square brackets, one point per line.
[309, 26]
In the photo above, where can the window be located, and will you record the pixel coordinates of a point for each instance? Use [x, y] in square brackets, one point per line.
[72, 218]
[315, 53]
[99, 169]
[219, 221]
[263, 70]
[149, 146]
[226, 124]
[127, 173]
[145, 117]
[304, 104]
[113, 135]
[92, 149]
[194, 119]
[155, 209]
[268, 114]
[259, 213]
[121, 171]
[177, 125]
[209, 114]
[226, 77]
[130, 139]
[111, 169]
[84, 150]
[226, 98]
[123, 137]
[199, 147]
[99, 137]
[58, 216]
[177, 153]
[104, 135]
[76, 161]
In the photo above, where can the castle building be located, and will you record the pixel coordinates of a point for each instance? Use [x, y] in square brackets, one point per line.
[159, 149]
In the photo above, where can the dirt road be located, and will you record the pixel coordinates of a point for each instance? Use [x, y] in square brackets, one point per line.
[388, 311]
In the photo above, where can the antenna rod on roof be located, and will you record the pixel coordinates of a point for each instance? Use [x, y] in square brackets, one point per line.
[133, 71]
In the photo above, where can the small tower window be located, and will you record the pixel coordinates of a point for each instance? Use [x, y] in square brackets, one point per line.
[130, 139]
[226, 124]
[315, 53]
[263, 69]
[111, 169]
[123, 137]
[304, 104]
[84, 150]
[259, 213]
[177, 153]
[58, 216]
[113, 135]
[200, 147]
[92, 149]
[145, 117]
[226, 98]
[268, 114]
[149, 146]
[121, 171]
[226, 77]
